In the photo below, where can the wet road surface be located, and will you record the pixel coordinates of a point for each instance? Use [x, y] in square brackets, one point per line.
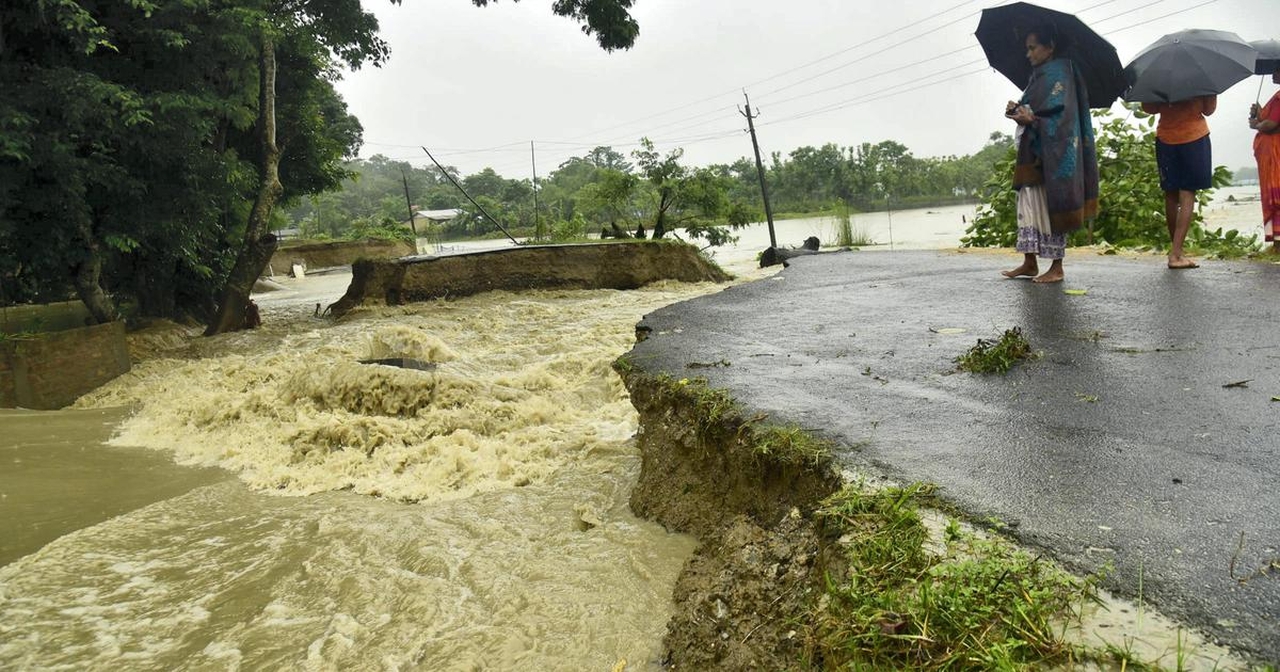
[1124, 444]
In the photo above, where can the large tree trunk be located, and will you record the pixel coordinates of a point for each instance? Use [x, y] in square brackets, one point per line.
[259, 243]
[86, 276]
[773, 256]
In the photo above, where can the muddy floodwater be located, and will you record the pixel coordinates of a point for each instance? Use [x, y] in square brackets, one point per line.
[263, 500]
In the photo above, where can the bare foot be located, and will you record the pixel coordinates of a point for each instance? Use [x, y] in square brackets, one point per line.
[1025, 269]
[1182, 262]
[1051, 275]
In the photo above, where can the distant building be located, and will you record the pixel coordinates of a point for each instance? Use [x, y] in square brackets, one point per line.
[428, 217]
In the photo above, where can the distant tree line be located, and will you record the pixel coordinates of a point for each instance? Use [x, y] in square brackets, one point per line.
[648, 191]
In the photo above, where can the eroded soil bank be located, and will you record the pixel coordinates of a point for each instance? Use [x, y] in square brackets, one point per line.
[706, 471]
[336, 253]
[761, 591]
[627, 265]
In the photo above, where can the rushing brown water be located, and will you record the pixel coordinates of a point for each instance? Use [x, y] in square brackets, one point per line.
[470, 516]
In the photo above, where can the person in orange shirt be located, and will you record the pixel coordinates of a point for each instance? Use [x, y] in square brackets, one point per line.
[1185, 159]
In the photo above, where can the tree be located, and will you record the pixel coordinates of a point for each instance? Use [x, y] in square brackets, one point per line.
[696, 199]
[610, 198]
[667, 178]
[606, 157]
[608, 20]
[349, 34]
[330, 29]
[124, 181]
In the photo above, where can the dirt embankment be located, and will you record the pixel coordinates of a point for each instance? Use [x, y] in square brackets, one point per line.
[582, 266]
[337, 253]
[762, 558]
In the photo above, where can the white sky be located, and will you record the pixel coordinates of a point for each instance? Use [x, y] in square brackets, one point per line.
[476, 85]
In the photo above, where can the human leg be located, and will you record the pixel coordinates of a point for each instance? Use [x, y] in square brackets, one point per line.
[1030, 206]
[1053, 246]
[1178, 234]
[1054, 274]
[1027, 267]
[1171, 211]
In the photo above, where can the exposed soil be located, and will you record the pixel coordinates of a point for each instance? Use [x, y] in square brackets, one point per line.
[336, 253]
[754, 574]
[580, 266]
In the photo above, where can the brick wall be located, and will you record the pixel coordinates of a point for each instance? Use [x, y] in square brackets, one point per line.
[51, 370]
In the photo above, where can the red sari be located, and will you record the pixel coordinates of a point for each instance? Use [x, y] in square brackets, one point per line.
[1266, 149]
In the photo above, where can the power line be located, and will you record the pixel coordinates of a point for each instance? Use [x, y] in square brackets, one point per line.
[885, 92]
[786, 72]
[612, 141]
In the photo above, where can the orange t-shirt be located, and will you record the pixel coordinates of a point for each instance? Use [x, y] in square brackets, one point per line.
[1183, 121]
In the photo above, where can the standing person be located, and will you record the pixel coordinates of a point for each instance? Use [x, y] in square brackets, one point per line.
[1185, 159]
[1057, 168]
[1266, 149]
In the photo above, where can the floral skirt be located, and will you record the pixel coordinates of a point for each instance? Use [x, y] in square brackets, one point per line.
[1035, 235]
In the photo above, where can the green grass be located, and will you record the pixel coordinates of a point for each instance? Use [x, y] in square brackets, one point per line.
[996, 356]
[847, 235]
[19, 336]
[980, 604]
[791, 444]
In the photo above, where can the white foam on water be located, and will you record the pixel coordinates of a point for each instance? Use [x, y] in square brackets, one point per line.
[522, 387]
[518, 550]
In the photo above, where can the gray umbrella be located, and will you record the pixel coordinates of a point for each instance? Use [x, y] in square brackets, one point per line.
[1268, 56]
[1191, 63]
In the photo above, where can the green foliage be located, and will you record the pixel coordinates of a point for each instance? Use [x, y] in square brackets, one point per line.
[980, 603]
[367, 228]
[1131, 204]
[608, 20]
[996, 356]
[790, 444]
[155, 165]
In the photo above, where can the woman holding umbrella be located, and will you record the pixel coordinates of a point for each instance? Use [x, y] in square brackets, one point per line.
[1185, 160]
[1056, 174]
[1266, 149]
[1179, 77]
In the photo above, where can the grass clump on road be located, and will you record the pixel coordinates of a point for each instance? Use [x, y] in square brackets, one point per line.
[996, 356]
[894, 599]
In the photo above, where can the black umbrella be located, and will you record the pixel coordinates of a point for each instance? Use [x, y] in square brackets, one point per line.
[1002, 34]
[1190, 63]
[1268, 56]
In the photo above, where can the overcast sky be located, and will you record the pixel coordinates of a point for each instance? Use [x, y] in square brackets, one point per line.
[476, 85]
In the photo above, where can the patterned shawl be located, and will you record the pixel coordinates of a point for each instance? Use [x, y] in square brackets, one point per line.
[1058, 149]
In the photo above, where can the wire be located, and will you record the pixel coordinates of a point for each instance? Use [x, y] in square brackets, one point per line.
[710, 117]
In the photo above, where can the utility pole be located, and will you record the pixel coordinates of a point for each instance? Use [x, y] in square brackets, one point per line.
[537, 222]
[412, 225]
[764, 190]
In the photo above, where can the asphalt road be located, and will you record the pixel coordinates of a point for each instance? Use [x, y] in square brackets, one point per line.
[1121, 444]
